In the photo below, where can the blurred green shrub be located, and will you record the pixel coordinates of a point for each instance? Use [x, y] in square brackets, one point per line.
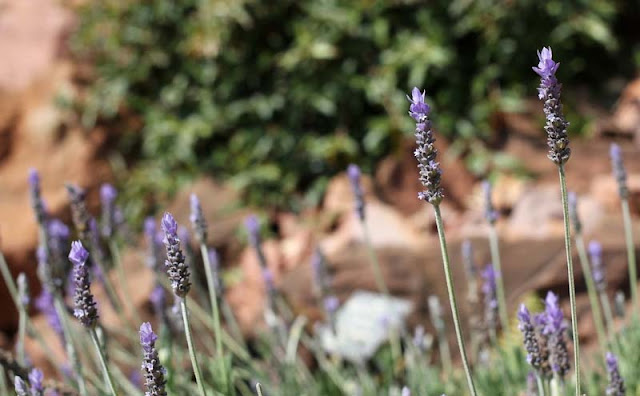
[277, 95]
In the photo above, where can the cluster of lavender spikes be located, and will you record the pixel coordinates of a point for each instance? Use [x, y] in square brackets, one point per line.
[84, 305]
[36, 387]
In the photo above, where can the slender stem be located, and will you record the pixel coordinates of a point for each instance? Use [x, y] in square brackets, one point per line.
[213, 297]
[22, 329]
[8, 280]
[608, 313]
[71, 350]
[572, 287]
[375, 264]
[592, 292]
[495, 259]
[452, 298]
[103, 361]
[122, 279]
[3, 382]
[192, 351]
[631, 256]
[540, 385]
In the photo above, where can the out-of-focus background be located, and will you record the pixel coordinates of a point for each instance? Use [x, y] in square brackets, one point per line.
[259, 106]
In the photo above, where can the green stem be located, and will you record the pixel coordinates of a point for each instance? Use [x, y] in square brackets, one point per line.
[8, 280]
[631, 256]
[103, 361]
[540, 385]
[213, 297]
[608, 314]
[452, 298]
[22, 329]
[375, 264]
[192, 351]
[572, 287]
[591, 291]
[117, 263]
[443, 347]
[497, 268]
[71, 350]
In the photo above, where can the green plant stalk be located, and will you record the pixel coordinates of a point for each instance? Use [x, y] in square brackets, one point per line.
[108, 286]
[631, 256]
[3, 382]
[8, 280]
[117, 263]
[22, 329]
[540, 385]
[572, 287]
[192, 351]
[497, 268]
[452, 299]
[213, 297]
[103, 362]
[71, 350]
[608, 314]
[443, 348]
[229, 317]
[259, 389]
[592, 292]
[375, 264]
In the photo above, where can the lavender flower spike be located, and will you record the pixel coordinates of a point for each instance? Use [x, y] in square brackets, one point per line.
[535, 357]
[555, 328]
[597, 269]
[405, 391]
[21, 387]
[425, 153]
[177, 269]
[490, 297]
[198, 221]
[616, 383]
[35, 379]
[353, 171]
[619, 171]
[549, 92]
[154, 380]
[84, 305]
[108, 195]
[490, 213]
[36, 198]
[79, 212]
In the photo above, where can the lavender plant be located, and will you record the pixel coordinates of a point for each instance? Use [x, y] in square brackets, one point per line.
[559, 153]
[491, 216]
[430, 177]
[620, 175]
[616, 383]
[600, 283]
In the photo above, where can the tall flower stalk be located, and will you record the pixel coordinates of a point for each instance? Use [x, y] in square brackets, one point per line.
[85, 307]
[586, 270]
[600, 283]
[559, 153]
[620, 174]
[430, 175]
[491, 215]
[178, 273]
[353, 172]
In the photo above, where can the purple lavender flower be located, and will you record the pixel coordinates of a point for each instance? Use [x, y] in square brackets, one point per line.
[572, 197]
[253, 230]
[79, 212]
[490, 299]
[597, 268]
[619, 172]
[549, 91]
[535, 356]
[153, 370]
[154, 253]
[85, 307]
[36, 197]
[267, 276]
[108, 195]
[35, 379]
[554, 329]
[616, 382]
[177, 269]
[331, 304]
[353, 171]
[198, 222]
[405, 391]
[21, 387]
[490, 213]
[45, 304]
[425, 153]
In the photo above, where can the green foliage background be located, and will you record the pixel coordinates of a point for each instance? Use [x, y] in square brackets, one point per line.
[277, 95]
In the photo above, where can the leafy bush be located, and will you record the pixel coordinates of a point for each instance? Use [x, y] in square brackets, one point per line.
[278, 95]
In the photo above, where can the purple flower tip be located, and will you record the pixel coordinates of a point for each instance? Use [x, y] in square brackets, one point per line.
[595, 248]
[34, 178]
[20, 386]
[147, 336]
[169, 224]
[612, 362]
[554, 316]
[405, 391]
[523, 314]
[331, 304]
[418, 108]
[57, 229]
[253, 224]
[615, 152]
[78, 254]
[108, 193]
[354, 173]
[150, 228]
[195, 203]
[35, 378]
[546, 65]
